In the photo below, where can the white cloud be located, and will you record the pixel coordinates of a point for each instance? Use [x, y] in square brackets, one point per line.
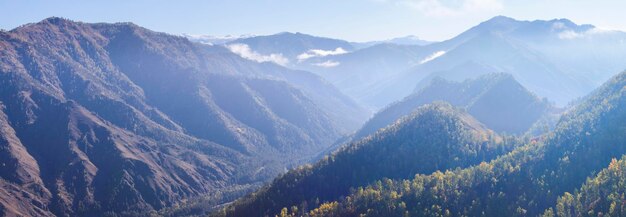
[565, 32]
[244, 51]
[571, 34]
[433, 56]
[558, 26]
[446, 8]
[327, 64]
[320, 53]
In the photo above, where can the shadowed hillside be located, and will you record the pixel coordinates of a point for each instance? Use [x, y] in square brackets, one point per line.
[115, 118]
[433, 137]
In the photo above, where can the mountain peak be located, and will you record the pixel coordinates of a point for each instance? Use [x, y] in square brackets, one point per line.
[498, 24]
[54, 21]
[505, 24]
[562, 20]
[501, 19]
[568, 24]
[394, 152]
[490, 98]
[60, 21]
[291, 34]
[409, 40]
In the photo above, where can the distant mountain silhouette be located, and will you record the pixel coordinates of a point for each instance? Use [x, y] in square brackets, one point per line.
[496, 100]
[292, 45]
[557, 59]
[406, 40]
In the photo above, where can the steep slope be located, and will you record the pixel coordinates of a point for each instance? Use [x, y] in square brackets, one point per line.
[344, 112]
[117, 119]
[431, 138]
[186, 98]
[524, 182]
[496, 100]
[88, 166]
[20, 175]
[602, 195]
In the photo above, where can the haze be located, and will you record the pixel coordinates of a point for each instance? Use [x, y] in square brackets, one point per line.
[354, 20]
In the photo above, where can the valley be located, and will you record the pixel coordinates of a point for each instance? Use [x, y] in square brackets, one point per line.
[508, 118]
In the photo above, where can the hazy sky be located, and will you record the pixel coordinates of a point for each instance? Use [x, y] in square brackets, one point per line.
[356, 20]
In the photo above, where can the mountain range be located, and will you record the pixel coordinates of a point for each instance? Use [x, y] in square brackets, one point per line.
[100, 118]
[514, 118]
[556, 59]
[496, 100]
[553, 174]
[406, 40]
[536, 178]
[433, 137]
[214, 40]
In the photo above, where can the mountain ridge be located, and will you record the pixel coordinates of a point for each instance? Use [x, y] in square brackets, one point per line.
[556, 59]
[488, 98]
[455, 139]
[527, 181]
[78, 95]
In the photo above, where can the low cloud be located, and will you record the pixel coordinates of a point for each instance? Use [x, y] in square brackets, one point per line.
[566, 34]
[244, 51]
[433, 56]
[320, 53]
[327, 64]
[569, 34]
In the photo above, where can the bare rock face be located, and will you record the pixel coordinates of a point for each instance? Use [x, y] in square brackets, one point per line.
[22, 190]
[102, 119]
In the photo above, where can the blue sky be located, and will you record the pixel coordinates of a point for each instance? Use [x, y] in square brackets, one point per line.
[355, 20]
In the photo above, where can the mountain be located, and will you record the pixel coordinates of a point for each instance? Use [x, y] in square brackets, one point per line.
[115, 119]
[406, 40]
[531, 180]
[333, 59]
[496, 100]
[598, 196]
[357, 69]
[556, 59]
[214, 40]
[293, 47]
[360, 73]
[433, 137]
